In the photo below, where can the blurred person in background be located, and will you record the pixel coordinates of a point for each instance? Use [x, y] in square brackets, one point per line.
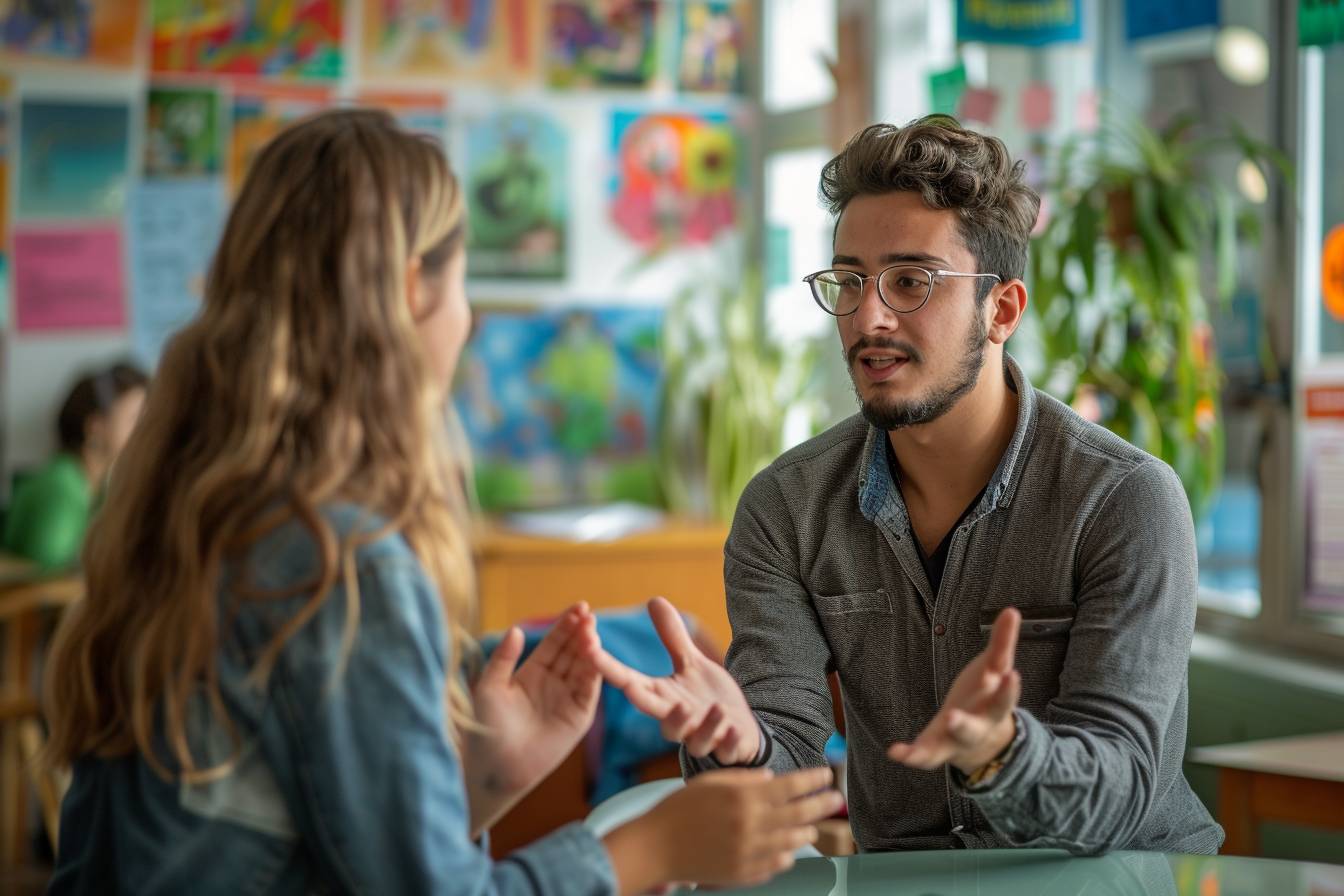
[50, 509]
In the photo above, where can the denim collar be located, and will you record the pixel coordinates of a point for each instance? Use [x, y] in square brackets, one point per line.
[880, 498]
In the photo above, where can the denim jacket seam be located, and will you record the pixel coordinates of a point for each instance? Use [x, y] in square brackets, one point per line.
[306, 787]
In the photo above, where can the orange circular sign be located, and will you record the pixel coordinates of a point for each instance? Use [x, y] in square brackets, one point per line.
[1332, 273]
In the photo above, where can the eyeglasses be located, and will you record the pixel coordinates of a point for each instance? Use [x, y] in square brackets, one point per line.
[903, 288]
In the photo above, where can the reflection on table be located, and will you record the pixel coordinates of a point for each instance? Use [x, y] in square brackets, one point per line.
[1039, 872]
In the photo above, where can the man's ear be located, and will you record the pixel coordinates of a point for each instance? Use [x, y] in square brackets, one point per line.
[1008, 302]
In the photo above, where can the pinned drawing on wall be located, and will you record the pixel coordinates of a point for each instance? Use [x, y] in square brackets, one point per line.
[561, 407]
[478, 39]
[946, 88]
[1320, 22]
[1332, 273]
[182, 132]
[516, 181]
[73, 158]
[596, 43]
[1087, 113]
[6, 93]
[173, 227]
[68, 278]
[676, 177]
[421, 112]
[1323, 435]
[711, 46]
[295, 38]
[95, 31]
[979, 104]
[261, 112]
[1036, 106]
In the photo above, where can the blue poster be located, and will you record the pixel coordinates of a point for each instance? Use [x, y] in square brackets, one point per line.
[561, 407]
[73, 158]
[1149, 18]
[172, 230]
[1031, 23]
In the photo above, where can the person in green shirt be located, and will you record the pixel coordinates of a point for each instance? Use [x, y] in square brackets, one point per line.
[50, 509]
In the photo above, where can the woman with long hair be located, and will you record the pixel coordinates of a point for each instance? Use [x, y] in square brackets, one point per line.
[262, 691]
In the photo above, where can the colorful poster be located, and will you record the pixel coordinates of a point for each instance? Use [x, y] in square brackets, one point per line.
[713, 36]
[68, 278]
[423, 113]
[259, 113]
[561, 407]
[297, 38]
[6, 87]
[1323, 402]
[516, 177]
[479, 39]
[173, 228]
[1031, 23]
[97, 31]
[602, 43]
[1332, 272]
[73, 159]
[182, 132]
[676, 177]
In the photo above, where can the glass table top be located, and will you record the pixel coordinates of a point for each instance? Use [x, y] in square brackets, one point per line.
[1031, 872]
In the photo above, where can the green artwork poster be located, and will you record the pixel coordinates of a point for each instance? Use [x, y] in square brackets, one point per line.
[182, 136]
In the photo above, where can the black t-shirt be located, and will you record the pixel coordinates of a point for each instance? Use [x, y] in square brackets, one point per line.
[934, 563]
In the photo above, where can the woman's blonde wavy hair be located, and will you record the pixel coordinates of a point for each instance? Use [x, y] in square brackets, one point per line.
[302, 382]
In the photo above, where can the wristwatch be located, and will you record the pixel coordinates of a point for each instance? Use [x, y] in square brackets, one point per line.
[987, 772]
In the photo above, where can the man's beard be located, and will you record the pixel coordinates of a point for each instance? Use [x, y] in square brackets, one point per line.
[897, 414]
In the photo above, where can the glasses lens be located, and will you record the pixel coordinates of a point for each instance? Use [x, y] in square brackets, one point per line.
[905, 289]
[838, 291]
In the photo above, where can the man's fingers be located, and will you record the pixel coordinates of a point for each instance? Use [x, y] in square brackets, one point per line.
[1003, 640]
[618, 673]
[926, 752]
[672, 631]
[706, 736]
[1005, 698]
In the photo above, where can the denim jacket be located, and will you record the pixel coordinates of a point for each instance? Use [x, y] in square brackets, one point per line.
[346, 781]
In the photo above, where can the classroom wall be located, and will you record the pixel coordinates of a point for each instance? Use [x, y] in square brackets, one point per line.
[604, 267]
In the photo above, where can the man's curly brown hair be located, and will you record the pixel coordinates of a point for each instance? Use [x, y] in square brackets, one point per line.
[950, 167]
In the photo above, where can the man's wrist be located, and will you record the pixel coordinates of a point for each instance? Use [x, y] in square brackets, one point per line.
[999, 745]
[987, 772]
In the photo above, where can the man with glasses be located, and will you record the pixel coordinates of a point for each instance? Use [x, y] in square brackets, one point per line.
[1005, 591]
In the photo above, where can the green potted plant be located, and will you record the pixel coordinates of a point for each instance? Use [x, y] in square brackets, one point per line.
[1120, 289]
[728, 385]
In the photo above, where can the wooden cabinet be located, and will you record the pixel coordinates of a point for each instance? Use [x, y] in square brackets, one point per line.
[523, 577]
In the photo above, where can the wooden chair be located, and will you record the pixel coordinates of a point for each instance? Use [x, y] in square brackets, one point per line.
[27, 600]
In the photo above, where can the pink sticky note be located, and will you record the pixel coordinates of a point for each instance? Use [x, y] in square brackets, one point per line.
[978, 104]
[1088, 115]
[69, 278]
[1038, 106]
